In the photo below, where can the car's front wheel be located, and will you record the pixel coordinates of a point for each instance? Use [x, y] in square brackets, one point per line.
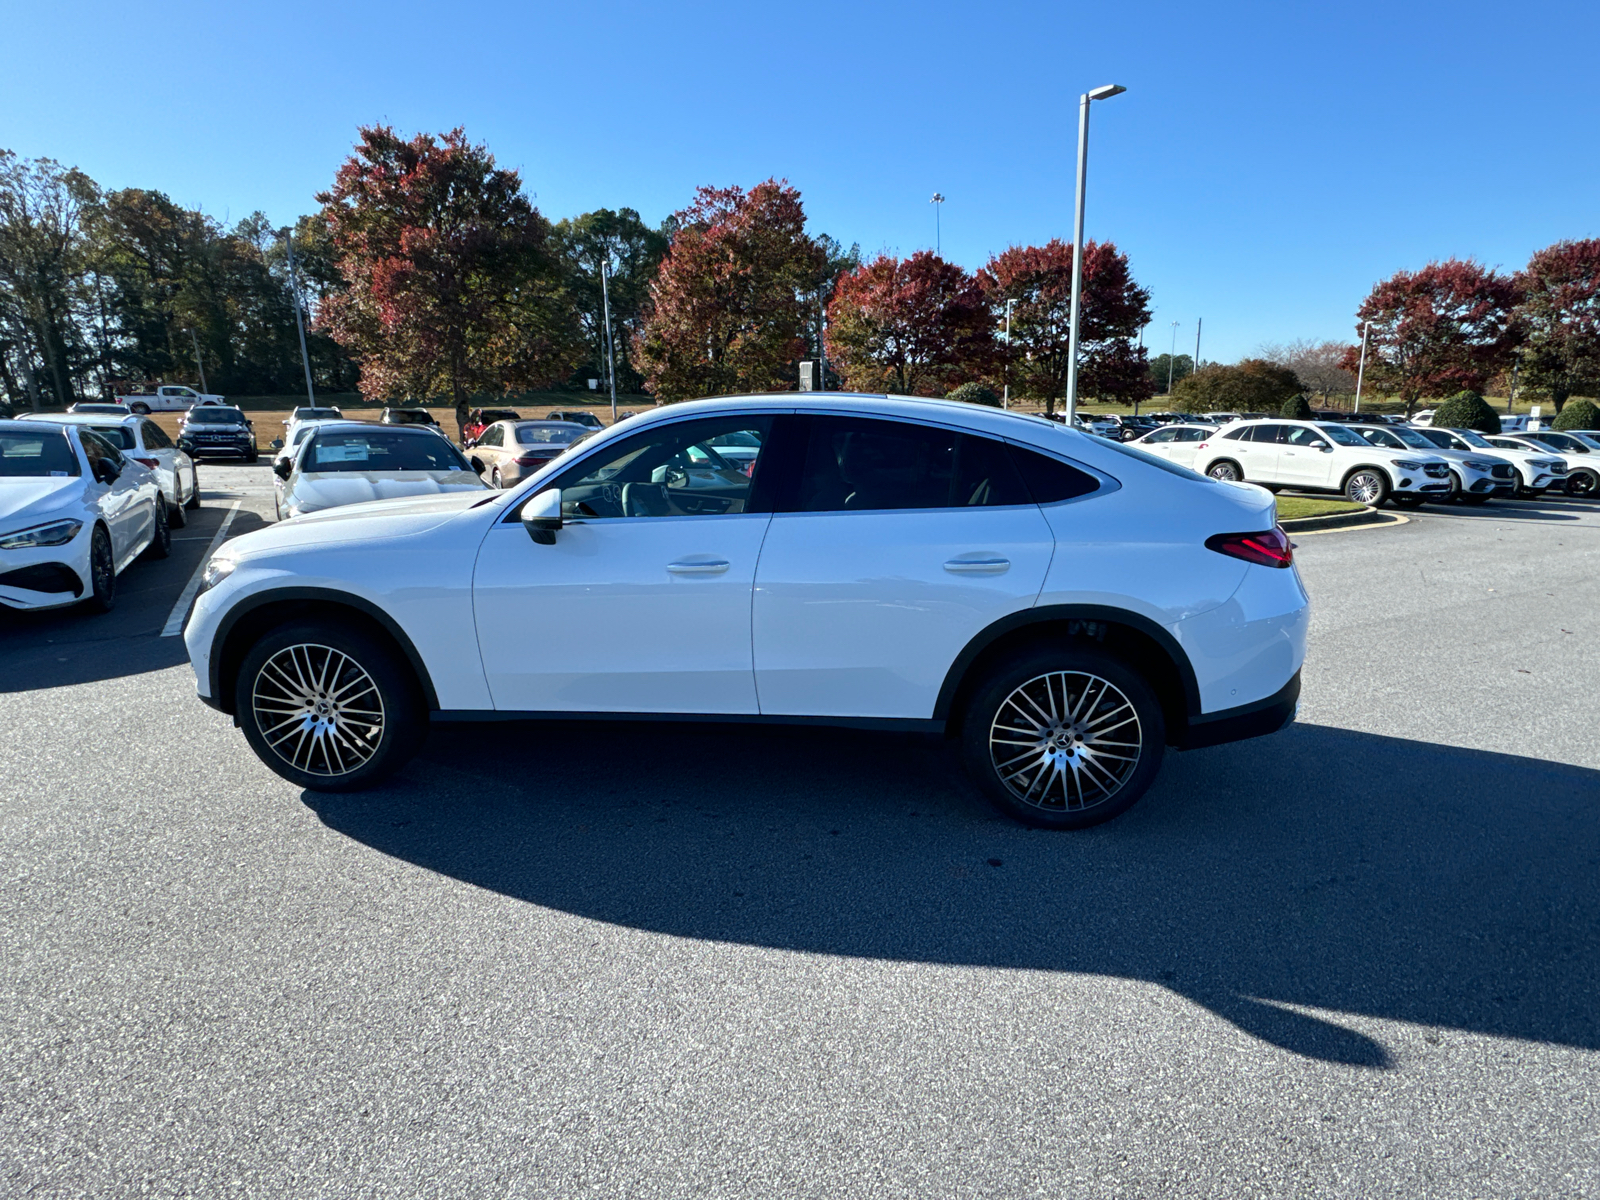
[102, 573]
[161, 540]
[1063, 738]
[1367, 486]
[328, 706]
[1226, 471]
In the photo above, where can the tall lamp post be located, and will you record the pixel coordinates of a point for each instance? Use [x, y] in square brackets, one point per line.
[299, 322]
[938, 203]
[1172, 356]
[1099, 93]
[1361, 367]
[1005, 400]
[198, 365]
[611, 357]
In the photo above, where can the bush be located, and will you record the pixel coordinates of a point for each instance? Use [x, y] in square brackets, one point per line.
[1252, 386]
[1296, 408]
[975, 393]
[1577, 414]
[1467, 410]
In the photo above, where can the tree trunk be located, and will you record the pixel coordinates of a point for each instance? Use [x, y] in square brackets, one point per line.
[1559, 391]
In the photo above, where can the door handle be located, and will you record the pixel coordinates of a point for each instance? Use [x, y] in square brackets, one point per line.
[978, 566]
[714, 566]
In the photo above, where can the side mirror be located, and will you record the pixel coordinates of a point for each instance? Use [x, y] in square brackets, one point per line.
[1325, 448]
[105, 472]
[283, 468]
[541, 516]
[277, 443]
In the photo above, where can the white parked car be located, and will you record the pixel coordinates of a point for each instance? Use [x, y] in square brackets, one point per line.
[1581, 455]
[1322, 457]
[1475, 477]
[74, 513]
[351, 462]
[1175, 443]
[293, 438]
[169, 397]
[1066, 606]
[1536, 470]
[142, 440]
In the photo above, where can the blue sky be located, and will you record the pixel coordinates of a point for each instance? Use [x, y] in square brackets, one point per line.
[1268, 163]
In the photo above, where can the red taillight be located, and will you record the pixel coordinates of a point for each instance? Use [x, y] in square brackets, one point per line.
[533, 460]
[1269, 549]
[148, 462]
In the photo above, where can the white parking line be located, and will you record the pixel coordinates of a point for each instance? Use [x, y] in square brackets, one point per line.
[180, 610]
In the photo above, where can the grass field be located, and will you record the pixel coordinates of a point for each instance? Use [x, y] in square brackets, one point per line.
[1291, 508]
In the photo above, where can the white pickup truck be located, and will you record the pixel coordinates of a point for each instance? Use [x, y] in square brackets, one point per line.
[169, 397]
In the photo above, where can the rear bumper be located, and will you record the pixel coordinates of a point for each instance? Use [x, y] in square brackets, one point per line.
[1247, 721]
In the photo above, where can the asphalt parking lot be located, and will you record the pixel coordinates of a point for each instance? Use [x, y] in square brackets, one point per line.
[1357, 959]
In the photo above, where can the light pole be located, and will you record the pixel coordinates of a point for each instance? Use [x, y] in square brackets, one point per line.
[1172, 356]
[1361, 368]
[1099, 93]
[1198, 322]
[299, 323]
[200, 366]
[938, 203]
[611, 358]
[1005, 400]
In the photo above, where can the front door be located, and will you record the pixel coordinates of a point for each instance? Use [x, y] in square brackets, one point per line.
[643, 602]
[901, 542]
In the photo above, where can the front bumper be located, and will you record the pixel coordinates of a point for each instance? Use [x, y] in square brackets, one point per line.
[46, 576]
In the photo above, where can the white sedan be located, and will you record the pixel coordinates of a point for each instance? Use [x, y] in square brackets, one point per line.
[1175, 443]
[142, 440]
[74, 513]
[350, 462]
[1063, 605]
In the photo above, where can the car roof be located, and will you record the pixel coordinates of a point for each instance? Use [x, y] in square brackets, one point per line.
[538, 421]
[80, 418]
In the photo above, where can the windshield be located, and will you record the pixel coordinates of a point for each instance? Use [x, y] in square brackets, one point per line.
[381, 450]
[739, 437]
[1341, 436]
[409, 416]
[1473, 438]
[46, 453]
[215, 416]
[543, 435]
[1410, 437]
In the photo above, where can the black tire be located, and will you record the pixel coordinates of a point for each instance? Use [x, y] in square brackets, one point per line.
[141, 410]
[102, 597]
[1119, 764]
[494, 479]
[1226, 470]
[161, 543]
[1581, 483]
[369, 678]
[176, 517]
[1458, 489]
[1367, 485]
[194, 487]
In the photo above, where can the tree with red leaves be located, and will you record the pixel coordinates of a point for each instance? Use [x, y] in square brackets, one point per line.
[453, 286]
[1444, 329]
[1560, 318]
[1039, 279]
[916, 326]
[726, 312]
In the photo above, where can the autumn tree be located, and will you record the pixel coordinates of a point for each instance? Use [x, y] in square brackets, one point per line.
[915, 326]
[727, 312]
[1560, 317]
[1446, 328]
[1318, 365]
[1113, 310]
[630, 252]
[1252, 385]
[452, 281]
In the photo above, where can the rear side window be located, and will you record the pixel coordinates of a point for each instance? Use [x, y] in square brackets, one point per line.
[1049, 480]
[867, 464]
[155, 438]
[119, 436]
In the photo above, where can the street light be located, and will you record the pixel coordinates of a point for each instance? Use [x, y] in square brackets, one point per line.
[1005, 400]
[937, 202]
[1099, 93]
[1172, 356]
[299, 322]
[1361, 369]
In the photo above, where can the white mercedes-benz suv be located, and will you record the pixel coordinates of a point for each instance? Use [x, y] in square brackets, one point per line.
[1322, 457]
[1065, 606]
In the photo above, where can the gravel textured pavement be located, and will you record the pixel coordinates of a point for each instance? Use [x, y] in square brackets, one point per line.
[1356, 959]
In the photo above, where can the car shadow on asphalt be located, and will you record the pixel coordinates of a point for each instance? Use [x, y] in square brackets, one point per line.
[1319, 868]
[65, 646]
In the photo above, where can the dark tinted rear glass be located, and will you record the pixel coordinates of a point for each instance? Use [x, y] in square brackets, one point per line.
[118, 435]
[860, 463]
[1049, 479]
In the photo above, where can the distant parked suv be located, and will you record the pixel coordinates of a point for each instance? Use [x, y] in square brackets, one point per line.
[216, 431]
[407, 416]
[1322, 457]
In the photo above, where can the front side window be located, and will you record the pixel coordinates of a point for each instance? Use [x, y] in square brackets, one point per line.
[669, 471]
[1299, 435]
[32, 454]
[862, 464]
[381, 450]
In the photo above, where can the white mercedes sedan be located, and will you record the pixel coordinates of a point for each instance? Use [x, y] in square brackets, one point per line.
[1065, 606]
[350, 462]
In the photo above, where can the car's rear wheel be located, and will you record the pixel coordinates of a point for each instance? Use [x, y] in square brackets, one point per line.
[142, 410]
[1226, 471]
[328, 706]
[1367, 486]
[102, 595]
[161, 540]
[1581, 483]
[1063, 738]
[176, 517]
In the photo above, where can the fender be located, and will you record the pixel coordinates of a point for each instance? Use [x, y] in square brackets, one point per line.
[329, 595]
[1067, 612]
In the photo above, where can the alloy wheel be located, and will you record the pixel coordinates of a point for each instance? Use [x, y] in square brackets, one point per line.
[318, 709]
[1365, 488]
[1065, 741]
[1224, 471]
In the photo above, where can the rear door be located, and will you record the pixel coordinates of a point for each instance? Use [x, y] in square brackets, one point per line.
[1259, 453]
[1306, 457]
[896, 542]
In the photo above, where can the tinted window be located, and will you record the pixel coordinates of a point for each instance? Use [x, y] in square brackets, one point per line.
[1162, 435]
[215, 416]
[1192, 435]
[119, 436]
[1341, 435]
[379, 449]
[544, 435]
[45, 452]
[1050, 480]
[862, 464]
[154, 436]
[96, 447]
[492, 436]
[669, 471]
[1245, 434]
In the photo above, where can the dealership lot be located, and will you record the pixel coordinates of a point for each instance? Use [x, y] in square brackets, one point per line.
[1359, 958]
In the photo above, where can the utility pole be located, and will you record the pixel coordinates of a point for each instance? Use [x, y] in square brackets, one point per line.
[193, 337]
[1005, 400]
[938, 203]
[1516, 362]
[822, 344]
[1172, 356]
[1361, 368]
[299, 322]
[1198, 321]
[611, 360]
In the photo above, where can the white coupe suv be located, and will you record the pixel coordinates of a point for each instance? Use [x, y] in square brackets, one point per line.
[1322, 457]
[1066, 606]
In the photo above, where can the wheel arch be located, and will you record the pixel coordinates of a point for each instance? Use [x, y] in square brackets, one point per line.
[1135, 638]
[1225, 458]
[251, 619]
[1388, 475]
